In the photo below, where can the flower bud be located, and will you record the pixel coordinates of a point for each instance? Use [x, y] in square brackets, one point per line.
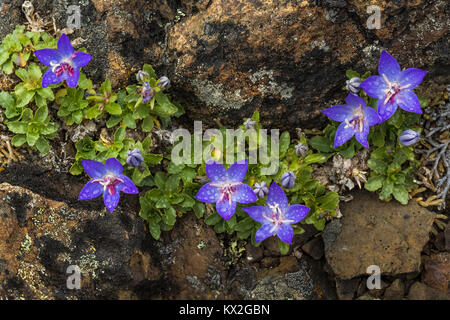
[261, 189]
[249, 124]
[164, 82]
[288, 179]
[409, 137]
[301, 149]
[142, 76]
[353, 85]
[135, 157]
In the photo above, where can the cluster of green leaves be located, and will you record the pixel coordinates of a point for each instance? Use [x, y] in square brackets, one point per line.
[26, 108]
[392, 165]
[16, 47]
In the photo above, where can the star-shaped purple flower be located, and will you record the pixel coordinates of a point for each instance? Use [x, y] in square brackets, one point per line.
[356, 120]
[63, 63]
[393, 87]
[277, 216]
[107, 179]
[226, 187]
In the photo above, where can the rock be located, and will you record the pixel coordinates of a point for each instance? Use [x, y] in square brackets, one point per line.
[378, 293]
[270, 262]
[396, 291]
[314, 248]
[284, 265]
[420, 291]
[346, 289]
[437, 271]
[40, 238]
[254, 254]
[371, 232]
[271, 248]
[274, 287]
[229, 58]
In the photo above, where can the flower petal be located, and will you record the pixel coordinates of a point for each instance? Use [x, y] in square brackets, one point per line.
[64, 46]
[225, 209]
[412, 77]
[257, 213]
[375, 86]
[264, 232]
[94, 168]
[385, 111]
[408, 101]
[285, 233]
[296, 212]
[237, 171]
[388, 66]
[90, 190]
[50, 78]
[111, 200]
[277, 195]
[354, 101]
[215, 171]
[81, 59]
[113, 165]
[127, 186]
[73, 80]
[371, 116]
[338, 112]
[361, 136]
[208, 193]
[244, 194]
[46, 56]
[343, 134]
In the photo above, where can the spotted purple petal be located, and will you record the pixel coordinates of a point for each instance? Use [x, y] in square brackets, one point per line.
[361, 136]
[371, 115]
[277, 196]
[50, 78]
[225, 209]
[244, 194]
[264, 232]
[375, 87]
[237, 171]
[389, 66]
[81, 59]
[338, 112]
[113, 165]
[408, 101]
[257, 213]
[90, 190]
[127, 186]
[208, 193]
[385, 111]
[285, 233]
[46, 56]
[64, 46]
[296, 212]
[215, 171]
[412, 77]
[94, 169]
[111, 200]
[73, 80]
[343, 134]
[354, 101]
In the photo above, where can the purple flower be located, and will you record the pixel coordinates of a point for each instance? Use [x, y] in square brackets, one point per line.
[288, 179]
[107, 179]
[226, 187]
[356, 119]
[409, 137]
[63, 63]
[249, 124]
[147, 92]
[393, 87]
[164, 82]
[135, 157]
[261, 189]
[277, 216]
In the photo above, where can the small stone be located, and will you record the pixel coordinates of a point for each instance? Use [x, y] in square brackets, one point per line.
[254, 254]
[420, 291]
[346, 289]
[314, 248]
[437, 271]
[270, 262]
[396, 291]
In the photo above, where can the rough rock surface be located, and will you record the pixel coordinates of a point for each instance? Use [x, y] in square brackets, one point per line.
[227, 58]
[420, 291]
[372, 232]
[437, 271]
[396, 291]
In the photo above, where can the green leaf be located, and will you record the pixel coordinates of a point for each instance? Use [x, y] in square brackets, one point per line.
[19, 140]
[7, 100]
[41, 114]
[147, 124]
[172, 168]
[400, 194]
[351, 74]
[213, 219]
[113, 108]
[285, 141]
[284, 247]
[42, 145]
[199, 209]
[377, 165]
[315, 158]
[172, 183]
[149, 69]
[348, 152]
[374, 183]
[321, 144]
[152, 159]
[187, 174]
[129, 121]
[46, 93]
[329, 201]
[17, 127]
[32, 138]
[155, 229]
